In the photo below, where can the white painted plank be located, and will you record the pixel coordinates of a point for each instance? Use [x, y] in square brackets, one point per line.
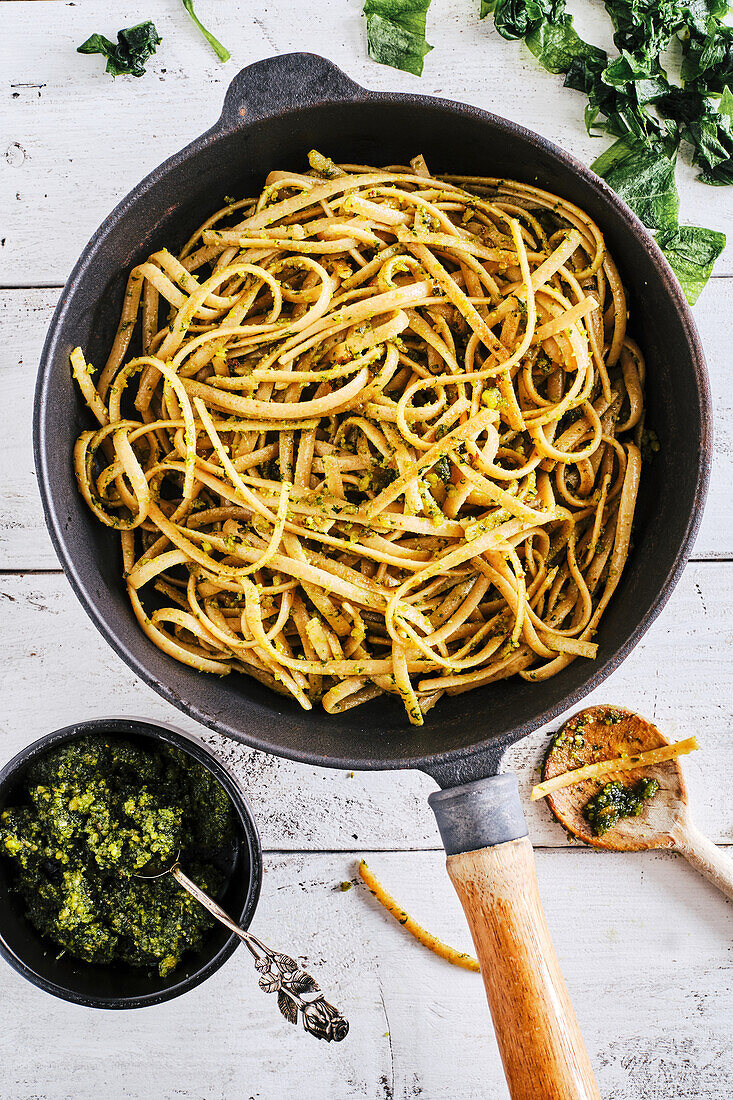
[24, 543]
[644, 944]
[75, 141]
[656, 1000]
[57, 669]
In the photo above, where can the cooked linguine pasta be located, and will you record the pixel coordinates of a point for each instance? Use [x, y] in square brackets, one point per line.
[382, 436]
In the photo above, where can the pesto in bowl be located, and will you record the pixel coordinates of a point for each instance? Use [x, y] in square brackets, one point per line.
[97, 810]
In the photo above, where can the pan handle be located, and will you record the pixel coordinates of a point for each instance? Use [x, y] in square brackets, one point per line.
[278, 84]
[491, 865]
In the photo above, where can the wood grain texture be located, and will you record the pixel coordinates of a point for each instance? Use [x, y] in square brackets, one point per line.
[539, 1040]
[644, 943]
[75, 141]
[57, 668]
[707, 858]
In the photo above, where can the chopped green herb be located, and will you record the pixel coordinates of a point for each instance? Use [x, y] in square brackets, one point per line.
[442, 468]
[92, 815]
[614, 801]
[380, 477]
[128, 55]
[569, 738]
[650, 444]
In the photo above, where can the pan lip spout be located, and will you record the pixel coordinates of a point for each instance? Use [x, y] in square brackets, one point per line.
[307, 83]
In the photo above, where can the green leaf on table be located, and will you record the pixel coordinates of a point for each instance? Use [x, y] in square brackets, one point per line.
[642, 174]
[708, 59]
[632, 98]
[710, 132]
[557, 46]
[518, 18]
[396, 33]
[642, 78]
[691, 252]
[221, 51]
[618, 94]
[698, 13]
[646, 27]
[725, 106]
[128, 55]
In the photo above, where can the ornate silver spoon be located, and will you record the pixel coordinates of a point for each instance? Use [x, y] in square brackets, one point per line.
[297, 992]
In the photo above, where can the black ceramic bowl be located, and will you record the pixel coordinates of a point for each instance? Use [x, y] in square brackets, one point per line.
[274, 112]
[119, 986]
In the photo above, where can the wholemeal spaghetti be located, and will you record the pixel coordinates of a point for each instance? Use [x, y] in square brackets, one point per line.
[373, 431]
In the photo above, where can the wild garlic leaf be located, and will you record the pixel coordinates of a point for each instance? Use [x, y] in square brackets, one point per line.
[642, 174]
[691, 251]
[709, 129]
[708, 59]
[632, 98]
[641, 77]
[618, 93]
[518, 18]
[396, 33]
[128, 55]
[698, 13]
[646, 27]
[557, 46]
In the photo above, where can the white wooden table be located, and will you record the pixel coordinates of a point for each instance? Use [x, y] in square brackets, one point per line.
[646, 946]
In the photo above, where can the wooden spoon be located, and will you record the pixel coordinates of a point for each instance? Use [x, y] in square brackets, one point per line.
[602, 733]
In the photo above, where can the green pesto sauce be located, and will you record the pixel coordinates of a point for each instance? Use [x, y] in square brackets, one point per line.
[614, 801]
[96, 812]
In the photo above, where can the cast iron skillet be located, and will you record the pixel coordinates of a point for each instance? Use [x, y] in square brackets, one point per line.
[274, 112]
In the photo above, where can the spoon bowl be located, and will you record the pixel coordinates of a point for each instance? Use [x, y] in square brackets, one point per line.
[157, 868]
[608, 732]
[604, 733]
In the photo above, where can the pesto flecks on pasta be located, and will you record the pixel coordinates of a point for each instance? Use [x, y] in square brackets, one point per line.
[373, 431]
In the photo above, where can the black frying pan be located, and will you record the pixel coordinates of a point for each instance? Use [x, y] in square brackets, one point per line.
[274, 112]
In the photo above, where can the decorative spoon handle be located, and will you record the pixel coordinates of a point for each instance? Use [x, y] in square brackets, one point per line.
[296, 991]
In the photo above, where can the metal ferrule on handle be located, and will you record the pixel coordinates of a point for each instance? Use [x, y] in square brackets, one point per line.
[480, 814]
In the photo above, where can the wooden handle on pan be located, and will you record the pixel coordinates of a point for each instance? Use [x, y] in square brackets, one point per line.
[538, 1035]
